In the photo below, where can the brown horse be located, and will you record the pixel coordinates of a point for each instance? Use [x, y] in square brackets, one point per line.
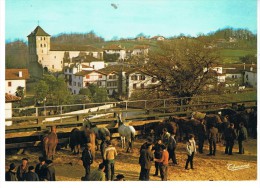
[49, 143]
[80, 138]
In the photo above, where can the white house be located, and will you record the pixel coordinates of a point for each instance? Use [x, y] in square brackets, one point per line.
[159, 38]
[140, 50]
[250, 78]
[115, 49]
[8, 106]
[137, 80]
[83, 78]
[15, 78]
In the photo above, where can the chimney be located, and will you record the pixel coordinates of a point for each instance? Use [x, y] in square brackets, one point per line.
[20, 74]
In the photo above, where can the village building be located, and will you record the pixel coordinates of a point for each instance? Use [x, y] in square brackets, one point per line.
[114, 52]
[9, 99]
[52, 57]
[140, 50]
[158, 38]
[250, 77]
[15, 78]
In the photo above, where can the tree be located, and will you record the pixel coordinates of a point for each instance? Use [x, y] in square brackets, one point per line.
[182, 67]
[20, 92]
[53, 89]
[95, 93]
[248, 59]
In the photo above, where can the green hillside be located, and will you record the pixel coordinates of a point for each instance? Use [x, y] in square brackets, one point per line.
[232, 55]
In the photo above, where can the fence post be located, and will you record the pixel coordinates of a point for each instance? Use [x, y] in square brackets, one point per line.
[61, 113]
[126, 108]
[37, 112]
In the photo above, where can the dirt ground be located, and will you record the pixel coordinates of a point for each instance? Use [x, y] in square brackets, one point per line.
[206, 168]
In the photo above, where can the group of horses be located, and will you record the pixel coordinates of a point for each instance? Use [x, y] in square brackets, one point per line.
[198, 123]
[90, 133]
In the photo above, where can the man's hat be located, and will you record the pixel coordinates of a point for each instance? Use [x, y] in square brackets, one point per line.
[120, 176]
[24, 159]
[12, 166]
[48, 161]
[31, 168]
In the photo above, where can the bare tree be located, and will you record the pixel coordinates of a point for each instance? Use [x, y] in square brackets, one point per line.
[182, 67]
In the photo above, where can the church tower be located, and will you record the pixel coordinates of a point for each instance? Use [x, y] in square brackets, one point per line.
[39, 45]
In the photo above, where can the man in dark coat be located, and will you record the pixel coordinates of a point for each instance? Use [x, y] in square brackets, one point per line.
[22, 170]
[201, 135]
[87, 159]
[230, 136]
[40, 169]
[213, 131]
[145, 161]
[31, 175]
[241, 136]
[171, 149]
[144, 145]
[10, 175]
[50, 171]
[157, 154]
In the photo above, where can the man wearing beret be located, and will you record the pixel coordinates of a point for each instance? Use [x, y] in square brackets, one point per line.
[22, 170]
[10, 175]
[87, 159]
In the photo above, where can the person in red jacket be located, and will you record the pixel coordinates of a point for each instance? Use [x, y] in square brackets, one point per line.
[164, 161]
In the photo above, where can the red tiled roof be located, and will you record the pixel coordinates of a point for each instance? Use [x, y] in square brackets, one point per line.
[86, 72]
[13, 74]
[11, 98]
[113, 47]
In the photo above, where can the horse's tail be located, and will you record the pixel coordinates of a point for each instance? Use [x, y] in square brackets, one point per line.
[133, 136]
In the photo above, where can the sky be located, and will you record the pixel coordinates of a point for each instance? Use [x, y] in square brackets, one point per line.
[128, 18]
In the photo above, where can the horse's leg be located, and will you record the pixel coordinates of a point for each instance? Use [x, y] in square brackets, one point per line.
[121, 142]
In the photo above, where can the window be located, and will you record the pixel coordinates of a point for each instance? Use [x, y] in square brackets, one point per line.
[86, 84]
[9, 84]
[134, 77]
[110, 77]
[41, 45]
[70, 70]
[99, 83]
[134, 86]
[55, 57]
[154, 80]
[142, 77]
[42, 58]
[99, 76]
[87, 76]
[53, 66]
[74, 83]
[142, 86]
[74, 91]
[79, 85]
[43, 38]
[44, 45]
[114, 77]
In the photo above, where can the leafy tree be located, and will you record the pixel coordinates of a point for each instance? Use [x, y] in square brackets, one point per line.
[20, 92]
[111, 57]
[248, 59]
[95, 93]
[53, 89]
[181, 67]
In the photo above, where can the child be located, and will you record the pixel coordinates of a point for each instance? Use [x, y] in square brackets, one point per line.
[191, 150]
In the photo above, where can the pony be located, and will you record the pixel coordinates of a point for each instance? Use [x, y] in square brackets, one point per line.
[127, 133]
[80, 138]
[157, 128]
[100, 133]
[50, 142]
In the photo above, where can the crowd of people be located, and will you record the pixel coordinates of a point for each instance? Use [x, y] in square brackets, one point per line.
[160, 152]
[44, 171]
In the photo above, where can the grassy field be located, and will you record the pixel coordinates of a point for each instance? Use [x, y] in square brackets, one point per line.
[232, 55]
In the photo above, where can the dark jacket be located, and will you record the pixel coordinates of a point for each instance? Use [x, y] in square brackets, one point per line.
[213, 133]
[50, 173]
[242, 134]
[10, 176]
[40, 170]
[146, 158]
[87, 157]
[230, 134]
[172, 143]
[157, 151]
[21, 173]
[31, 176]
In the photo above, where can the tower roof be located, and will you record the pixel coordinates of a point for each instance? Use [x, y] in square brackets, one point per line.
[38, 31]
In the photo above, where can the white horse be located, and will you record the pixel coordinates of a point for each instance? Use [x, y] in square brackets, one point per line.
[127, 133]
